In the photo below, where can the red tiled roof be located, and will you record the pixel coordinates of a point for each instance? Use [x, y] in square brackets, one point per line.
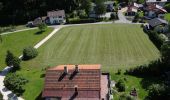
[87, 80]
[153, 7]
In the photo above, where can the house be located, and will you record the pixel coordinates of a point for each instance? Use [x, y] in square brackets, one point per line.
[139, 6]
[157, 2]
[56, 17]
[109, 8]
[156, 22]
[131, 10]
[153, 10]
[76, 82]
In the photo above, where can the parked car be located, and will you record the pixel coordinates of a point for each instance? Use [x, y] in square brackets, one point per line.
[30, 24]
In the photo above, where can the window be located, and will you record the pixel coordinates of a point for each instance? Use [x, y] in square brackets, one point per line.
[60, 16]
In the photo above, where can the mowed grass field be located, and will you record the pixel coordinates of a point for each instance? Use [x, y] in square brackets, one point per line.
[111, 45]
[114, 46]
[16, 42]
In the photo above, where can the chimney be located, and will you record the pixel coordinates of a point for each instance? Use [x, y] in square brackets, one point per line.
[76, 68]
[65, 70]
[76, 88]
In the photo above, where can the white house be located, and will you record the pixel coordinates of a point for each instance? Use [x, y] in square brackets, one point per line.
[56, 17]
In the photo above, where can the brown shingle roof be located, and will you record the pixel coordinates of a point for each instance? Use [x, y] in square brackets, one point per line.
[56, 13]
[58, 84]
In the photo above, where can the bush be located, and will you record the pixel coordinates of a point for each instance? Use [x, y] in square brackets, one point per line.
[120, 85]
[79, 21]
[29, 53]
[113, 16]
[119, 71]
[16, 63]
[157, 92]
[126, 97]
[42, 27]
[155, 38]
[15, 83]
[9, 58]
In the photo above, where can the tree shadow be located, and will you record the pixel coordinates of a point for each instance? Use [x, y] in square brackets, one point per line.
[39, 32]
[148, 81]
[39, 97]
[42, 75]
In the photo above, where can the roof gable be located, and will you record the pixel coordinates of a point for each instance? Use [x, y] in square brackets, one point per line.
[58, 84]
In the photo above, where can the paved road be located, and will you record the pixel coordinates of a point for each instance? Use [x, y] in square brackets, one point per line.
[122, 18]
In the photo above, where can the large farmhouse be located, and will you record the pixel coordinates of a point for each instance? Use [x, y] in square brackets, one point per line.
[76, 82]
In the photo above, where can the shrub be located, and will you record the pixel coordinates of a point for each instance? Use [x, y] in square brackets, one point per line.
[42, 27]
[120, 85]
[29, 53]
[126, 97]
[79, 21]
[119, 71]
[9, 58]
[16, 63]
[155, 38]
[113, 16]
[15, 83]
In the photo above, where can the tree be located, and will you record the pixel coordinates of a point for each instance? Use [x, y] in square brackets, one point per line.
[82, 14]
[86, 4]
[16, 63]
[157, 92]
[42, 27]
[100, 9]
[15, 83]
[165, 52]
[9, 58]
[120, 85]
[29, 53]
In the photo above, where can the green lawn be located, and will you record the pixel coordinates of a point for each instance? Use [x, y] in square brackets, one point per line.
[167, 16]
[114, 46]
[15, 42]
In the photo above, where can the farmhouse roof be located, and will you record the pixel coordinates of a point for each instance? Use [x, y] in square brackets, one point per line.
[56, 13]
[108, 2]
[157, 21]
[155, 8]
[156, 0]
[87, 81]
[132, 8]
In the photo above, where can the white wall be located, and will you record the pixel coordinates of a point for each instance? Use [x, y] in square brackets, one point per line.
[55, 20]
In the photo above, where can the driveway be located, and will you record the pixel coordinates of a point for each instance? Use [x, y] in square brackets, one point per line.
[122, 18]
